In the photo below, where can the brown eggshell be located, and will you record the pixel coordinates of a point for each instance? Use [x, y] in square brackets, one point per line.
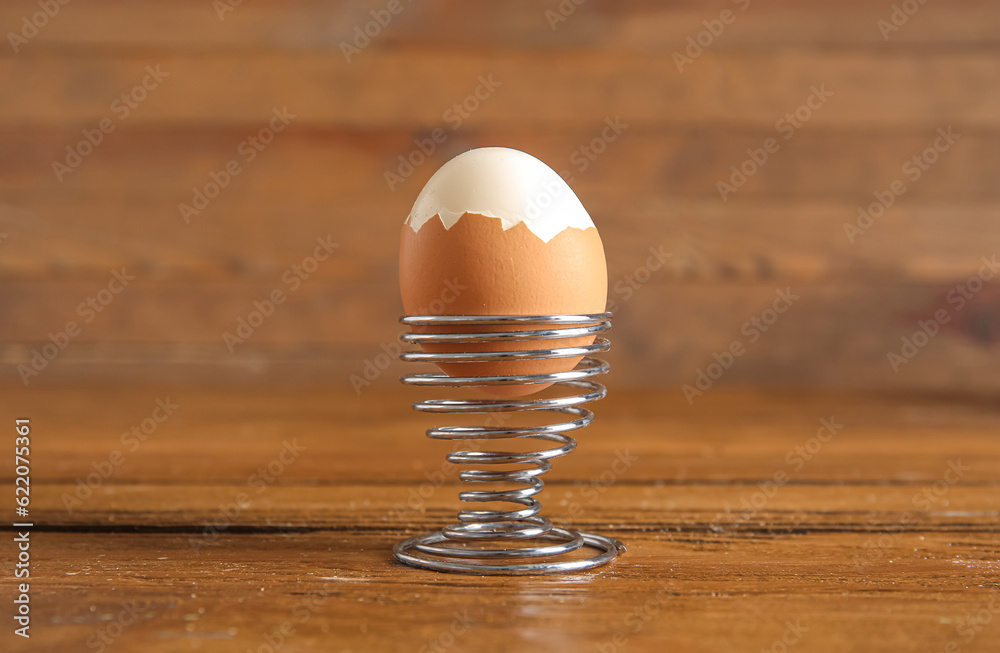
[478, 268]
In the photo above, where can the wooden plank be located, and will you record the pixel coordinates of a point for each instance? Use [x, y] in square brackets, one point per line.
[696, 591]
[636, 507]
[336, 168]
[927, 240]
[836, 336]
[841, 556]
[833, 336]
[564, 88]
[598, 24]
[718, 448]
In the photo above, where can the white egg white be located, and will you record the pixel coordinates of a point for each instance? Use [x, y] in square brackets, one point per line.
[500, 182]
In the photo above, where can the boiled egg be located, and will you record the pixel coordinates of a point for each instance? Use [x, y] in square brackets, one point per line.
[495, 231]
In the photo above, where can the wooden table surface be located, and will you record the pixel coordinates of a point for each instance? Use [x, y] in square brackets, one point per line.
[880, 536]
[880, 533]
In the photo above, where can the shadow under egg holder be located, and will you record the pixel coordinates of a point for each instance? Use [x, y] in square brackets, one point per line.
[518, 541]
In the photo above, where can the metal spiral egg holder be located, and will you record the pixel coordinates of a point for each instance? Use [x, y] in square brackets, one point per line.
[518, 541]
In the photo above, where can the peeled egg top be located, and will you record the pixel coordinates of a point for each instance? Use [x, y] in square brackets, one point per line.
[497, 232]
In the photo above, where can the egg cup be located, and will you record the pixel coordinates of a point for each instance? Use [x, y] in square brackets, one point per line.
[518, 541]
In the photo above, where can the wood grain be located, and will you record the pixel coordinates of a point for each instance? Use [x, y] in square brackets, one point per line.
[884, 538]
[856, 550]
[335, 168]
[655, 186]
[746, 240]
[643, 25]
[391, 88]
[331, 332]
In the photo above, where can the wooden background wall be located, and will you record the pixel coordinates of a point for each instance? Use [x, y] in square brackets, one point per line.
[655, 186]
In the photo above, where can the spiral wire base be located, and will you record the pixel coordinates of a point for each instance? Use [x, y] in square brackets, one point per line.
[518, 541]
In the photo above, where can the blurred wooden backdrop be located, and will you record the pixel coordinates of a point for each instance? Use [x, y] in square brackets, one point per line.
[654, 186]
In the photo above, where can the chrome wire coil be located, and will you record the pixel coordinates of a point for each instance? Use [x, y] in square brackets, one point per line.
[480, 541]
